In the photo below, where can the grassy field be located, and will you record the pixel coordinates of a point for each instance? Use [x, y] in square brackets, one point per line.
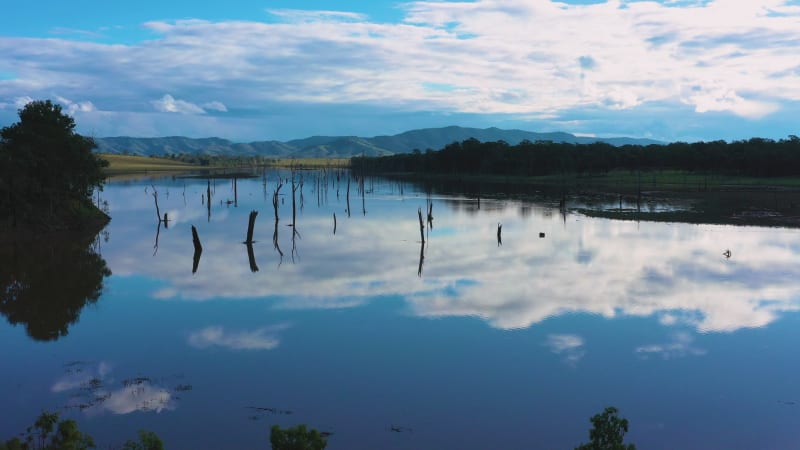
[127, 165]
[124, 164]
[310, 163]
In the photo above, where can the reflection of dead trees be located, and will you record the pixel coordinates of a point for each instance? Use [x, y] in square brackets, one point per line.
[363, 197]
[198, 250]
[165, 219]
[499, 234]
[275, 195]
[348, 196]
[208, 199]
[249, 242]
[421, 242]
[334, 223]
[295, 233]
[158, 233]
[421, 226]
[421, 258]
[275, 240]
[251, 257]
[430, 214]
[302, 201]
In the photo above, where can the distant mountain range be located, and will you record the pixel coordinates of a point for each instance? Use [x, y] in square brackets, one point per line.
[340, 146]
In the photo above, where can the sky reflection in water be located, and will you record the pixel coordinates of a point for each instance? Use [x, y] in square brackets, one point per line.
[697, 355]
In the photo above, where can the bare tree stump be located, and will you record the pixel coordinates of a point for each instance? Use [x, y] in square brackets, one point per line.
[251, 224]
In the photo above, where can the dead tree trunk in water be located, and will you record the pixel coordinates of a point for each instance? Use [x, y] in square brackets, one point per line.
[208, 199]
[334, 223]
[363, 197]
[294, 208]
[198, 250]
[421, 225]
[348, 195]
[250, 225]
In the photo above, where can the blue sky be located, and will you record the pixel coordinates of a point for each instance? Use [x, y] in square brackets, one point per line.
[278, 69]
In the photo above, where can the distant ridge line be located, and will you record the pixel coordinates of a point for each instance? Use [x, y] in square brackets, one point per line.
[340, 146]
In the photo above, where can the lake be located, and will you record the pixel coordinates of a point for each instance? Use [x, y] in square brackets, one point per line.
[466, 341]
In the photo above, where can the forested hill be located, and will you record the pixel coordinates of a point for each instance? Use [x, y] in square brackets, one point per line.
[339, 146]
[756, 157]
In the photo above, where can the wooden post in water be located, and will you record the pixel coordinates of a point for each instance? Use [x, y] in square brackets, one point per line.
[235, 193]
[250, 225]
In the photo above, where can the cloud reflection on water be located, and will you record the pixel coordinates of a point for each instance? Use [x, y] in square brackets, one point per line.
[264, 338]
[675, 272]
[569, 346]
[90, 391]
[678, 347]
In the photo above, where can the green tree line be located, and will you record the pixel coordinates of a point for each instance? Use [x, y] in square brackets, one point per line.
[753, 157]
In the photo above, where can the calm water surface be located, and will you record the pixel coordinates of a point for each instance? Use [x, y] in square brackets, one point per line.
[478, 345]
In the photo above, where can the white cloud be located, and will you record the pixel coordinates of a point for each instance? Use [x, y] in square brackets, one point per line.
[20, 102]
[678, 347]
[300, 15]
[722, 56]
[264, 338]
[74, 107]
[215, 106]
[170, 105]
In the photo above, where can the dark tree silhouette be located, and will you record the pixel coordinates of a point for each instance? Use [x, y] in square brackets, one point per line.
[296, 438]
[753, 157]
[45, 283]
[608, 432]
[47, 170]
